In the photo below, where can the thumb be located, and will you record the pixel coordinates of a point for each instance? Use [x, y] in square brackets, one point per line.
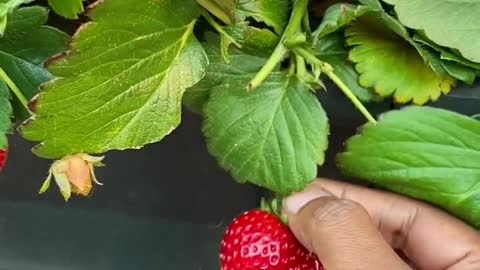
[339, 231]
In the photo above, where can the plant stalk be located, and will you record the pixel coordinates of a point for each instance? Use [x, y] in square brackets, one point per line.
[301, 67]
[216, 10]
[306, 24]
[275, 59]
[13, 87]
[295, 23]
[219, 28]
[328, 70]
[299, 10]
[292, 66]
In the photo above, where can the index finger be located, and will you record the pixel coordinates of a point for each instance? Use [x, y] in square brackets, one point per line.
[430, 238]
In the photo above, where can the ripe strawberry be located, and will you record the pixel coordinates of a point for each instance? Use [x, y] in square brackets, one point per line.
[3, 158]
[259, 240]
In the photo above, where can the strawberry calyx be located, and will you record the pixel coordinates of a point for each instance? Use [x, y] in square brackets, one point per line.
[274, 206]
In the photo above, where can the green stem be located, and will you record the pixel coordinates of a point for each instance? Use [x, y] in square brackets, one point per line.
[13, 87]
[306, 24]
[219, 28]
[275, 59]
[299, 10]
[301, 67]
[216, 10]
[295, 41]
[291, 66]
[328, 70]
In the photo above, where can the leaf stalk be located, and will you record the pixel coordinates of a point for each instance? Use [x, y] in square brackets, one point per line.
[13, 87]
[295, 24]
[328, 70]
[219, 28]
[216, 10]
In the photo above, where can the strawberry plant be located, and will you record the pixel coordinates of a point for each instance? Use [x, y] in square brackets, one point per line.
[252, 69]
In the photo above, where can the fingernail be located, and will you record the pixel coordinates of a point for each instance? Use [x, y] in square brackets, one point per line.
[297, 201]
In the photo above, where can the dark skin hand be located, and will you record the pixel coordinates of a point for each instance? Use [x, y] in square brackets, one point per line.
[355, 228]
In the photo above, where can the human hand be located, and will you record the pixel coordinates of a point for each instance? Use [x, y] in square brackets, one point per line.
[356, 228]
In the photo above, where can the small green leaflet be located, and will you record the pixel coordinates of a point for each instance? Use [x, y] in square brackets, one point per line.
[454, 65]
[445, 53]
[274, 136]
[6, 112]
[7, 7]
[426, 153]
[444, 69]
[122, 84]
[448, 23]
[337, 16]
[460, 72]
[331, 49]
[25, 47]
[390, 64]
[260, 41]
[219, 71]
[274, 13]
[67, 8]
[254, 40]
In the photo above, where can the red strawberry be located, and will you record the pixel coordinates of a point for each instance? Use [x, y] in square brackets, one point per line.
[258, 240]
[3, 158]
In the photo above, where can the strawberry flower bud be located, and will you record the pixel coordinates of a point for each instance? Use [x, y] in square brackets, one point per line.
[73, 174]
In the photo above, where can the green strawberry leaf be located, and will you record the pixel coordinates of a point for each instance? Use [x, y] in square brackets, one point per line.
[260, 41]
[6, 113]
[67, 8]
[460, 72]
[392, 65]
[337, 16]
[217, 71]
[274, 136]
[122, 84]
[25, 47]
[254, 41]
[448, 23]
[444, 68]
[445, 53]
[423, 152]
[7, 7]
[331, 49]
[274, 13]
